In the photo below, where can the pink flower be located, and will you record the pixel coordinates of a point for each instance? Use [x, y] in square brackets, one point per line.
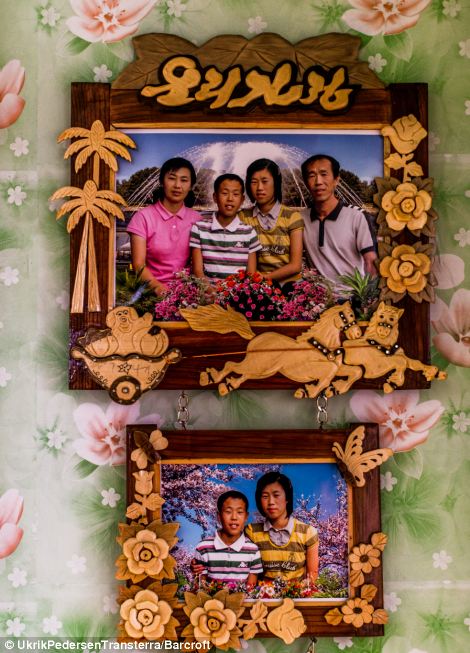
[11, 83]
[403, 423]
[107, 20]
[11, 508]
[383, 16]
[452, 324]
[103, 434]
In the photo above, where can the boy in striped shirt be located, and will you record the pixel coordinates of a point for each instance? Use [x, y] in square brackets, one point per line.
[222, 245]
[229, 556]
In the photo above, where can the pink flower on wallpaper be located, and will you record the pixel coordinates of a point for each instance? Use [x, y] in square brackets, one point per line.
[11, 509]
[403, 422]
[383, 16]
[452, 326]
[107, 20]
[11, 83]
[103, 440]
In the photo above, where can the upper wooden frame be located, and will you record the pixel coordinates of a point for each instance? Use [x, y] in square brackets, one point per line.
[125, 107]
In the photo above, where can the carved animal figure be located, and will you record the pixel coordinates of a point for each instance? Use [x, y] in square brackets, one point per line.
[314, 356]
[130, 334]
[377, 352]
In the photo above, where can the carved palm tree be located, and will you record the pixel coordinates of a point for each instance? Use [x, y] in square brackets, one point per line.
[103, 144]
[93, 204]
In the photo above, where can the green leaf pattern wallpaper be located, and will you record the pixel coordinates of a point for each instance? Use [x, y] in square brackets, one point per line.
[62, 482]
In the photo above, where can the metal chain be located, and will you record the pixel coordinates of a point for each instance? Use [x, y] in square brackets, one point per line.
[182, 416]
[322, 410]
[311, 646]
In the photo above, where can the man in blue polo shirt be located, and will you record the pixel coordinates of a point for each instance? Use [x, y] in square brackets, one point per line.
[337, 237]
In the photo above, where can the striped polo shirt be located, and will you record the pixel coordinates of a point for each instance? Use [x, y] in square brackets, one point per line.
[275, 242]
[289, 560]
[229, 562]
[224, 250]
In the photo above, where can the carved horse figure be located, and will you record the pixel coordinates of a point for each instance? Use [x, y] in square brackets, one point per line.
[314, 357]
[377, 353]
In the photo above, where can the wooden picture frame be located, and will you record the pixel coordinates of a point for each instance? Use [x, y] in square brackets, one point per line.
[148, 450]
[122, 106]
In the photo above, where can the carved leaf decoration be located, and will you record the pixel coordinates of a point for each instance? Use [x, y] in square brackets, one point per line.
[135, 511]
[368, 592]
[357, 462]
[356, 578]
[286, 622]
[334, 617]
[379, 540]
[396, 161]
[123, 573]
[152, 501]
[265, 50]
[379, 616]
[191, 602]
[412, 169]
[250, 627]
[168, 570]
[215, 318]
[127, 593]
[165, 592]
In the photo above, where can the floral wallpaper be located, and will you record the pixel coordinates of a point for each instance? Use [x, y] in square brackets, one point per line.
[62, 486]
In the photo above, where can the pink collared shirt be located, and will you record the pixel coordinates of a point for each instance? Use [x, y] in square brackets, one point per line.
[167, 238]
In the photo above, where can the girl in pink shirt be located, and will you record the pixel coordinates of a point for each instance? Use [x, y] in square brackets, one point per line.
[160, 232]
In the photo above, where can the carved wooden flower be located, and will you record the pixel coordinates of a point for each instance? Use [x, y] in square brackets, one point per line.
[405, 270]
[406, 133]
[214, 619]
[357, 612]
[364, 557]
[145, 551]
[146, 616]
[406, 207]
[286, 622]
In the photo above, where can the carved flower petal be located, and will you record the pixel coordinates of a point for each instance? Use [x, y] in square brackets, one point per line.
[165, 611]
[394, 270]
[385, 264]
[395, 286]
[196, 614]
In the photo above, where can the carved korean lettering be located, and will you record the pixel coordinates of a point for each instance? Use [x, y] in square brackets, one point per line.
[328, 90]
[333, 97]
[262, 86]
[219, 86]
[176, 91]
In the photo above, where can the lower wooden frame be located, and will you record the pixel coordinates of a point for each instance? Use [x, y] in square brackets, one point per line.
[280, 446]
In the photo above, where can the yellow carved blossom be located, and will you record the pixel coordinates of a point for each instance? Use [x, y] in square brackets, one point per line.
[357, 612]
[405, 270]
[145, 616]
[213, 622]
[145, 553]
[364, 557]
[406, 207]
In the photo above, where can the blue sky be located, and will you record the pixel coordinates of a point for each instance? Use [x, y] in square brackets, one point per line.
[360, 152]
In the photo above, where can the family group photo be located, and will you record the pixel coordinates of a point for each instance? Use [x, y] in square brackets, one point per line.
[277, 225]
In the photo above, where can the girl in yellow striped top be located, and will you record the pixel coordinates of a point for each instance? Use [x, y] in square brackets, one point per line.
[288, 547]
[279, 228]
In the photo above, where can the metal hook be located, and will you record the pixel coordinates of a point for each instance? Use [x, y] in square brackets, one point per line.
[182, 416]
[322, 409]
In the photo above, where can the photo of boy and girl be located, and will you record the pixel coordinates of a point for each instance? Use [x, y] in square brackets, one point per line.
[276, 552]
[267, 237]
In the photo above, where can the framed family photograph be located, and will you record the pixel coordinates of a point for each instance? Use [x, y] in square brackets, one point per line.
[223, 507]
[153, 113]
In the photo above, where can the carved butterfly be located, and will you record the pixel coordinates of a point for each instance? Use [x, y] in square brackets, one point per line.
[354, 461]
[147, 447]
